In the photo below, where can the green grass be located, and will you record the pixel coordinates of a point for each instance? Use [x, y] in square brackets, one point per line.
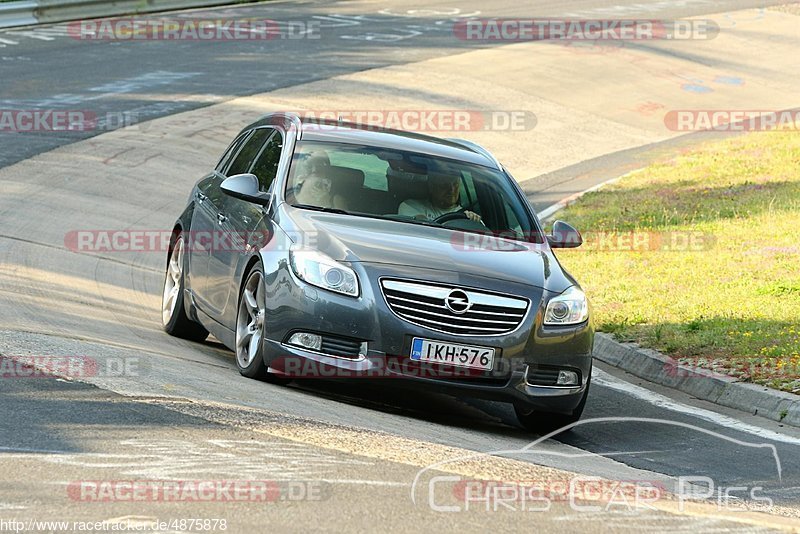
[734, 304]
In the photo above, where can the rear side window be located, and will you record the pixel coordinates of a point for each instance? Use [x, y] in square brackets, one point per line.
[244, 159]
[231, 152]
[266, 166]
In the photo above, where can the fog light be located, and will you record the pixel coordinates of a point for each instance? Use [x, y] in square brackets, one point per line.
[306, 340]
[567, 378]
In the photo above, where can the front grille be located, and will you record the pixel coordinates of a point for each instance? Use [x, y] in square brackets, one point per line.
[337, 346]
[487, 314]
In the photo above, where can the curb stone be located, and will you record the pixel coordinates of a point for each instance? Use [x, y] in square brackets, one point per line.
[701, 383]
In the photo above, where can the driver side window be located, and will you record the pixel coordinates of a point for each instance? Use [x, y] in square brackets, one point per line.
[266, 165]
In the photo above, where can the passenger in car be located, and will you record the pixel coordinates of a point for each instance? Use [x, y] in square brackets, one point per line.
[315, 187]
[442, 198]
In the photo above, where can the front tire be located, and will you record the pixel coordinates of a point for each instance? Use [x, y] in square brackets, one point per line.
[173, 310]
[250, 329]
[546, 422]
[250, 326]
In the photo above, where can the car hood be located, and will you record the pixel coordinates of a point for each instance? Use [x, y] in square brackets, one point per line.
[361, 239]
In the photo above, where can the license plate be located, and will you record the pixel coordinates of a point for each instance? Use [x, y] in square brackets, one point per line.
[427, 350]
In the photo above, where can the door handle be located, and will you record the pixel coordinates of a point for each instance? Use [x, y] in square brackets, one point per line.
[221, 218]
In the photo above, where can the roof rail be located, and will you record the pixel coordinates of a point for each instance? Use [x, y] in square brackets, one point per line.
[340, 122]
[290, 119]
[475, 147]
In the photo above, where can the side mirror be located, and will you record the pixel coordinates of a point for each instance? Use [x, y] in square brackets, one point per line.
[564, 236]
[244, 187]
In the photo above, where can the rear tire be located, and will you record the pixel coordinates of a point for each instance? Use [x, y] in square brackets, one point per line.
[173, 310]
[546, 422]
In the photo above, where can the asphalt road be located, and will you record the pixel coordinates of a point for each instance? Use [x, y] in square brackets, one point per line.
[81, 441]
[55, 302]
[129, 82]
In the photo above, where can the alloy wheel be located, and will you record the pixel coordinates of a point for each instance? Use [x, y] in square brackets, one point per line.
[250, 321]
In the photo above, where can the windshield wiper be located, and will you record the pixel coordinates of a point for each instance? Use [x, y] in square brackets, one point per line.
[322, 208]
[412, 220]
[422, 222]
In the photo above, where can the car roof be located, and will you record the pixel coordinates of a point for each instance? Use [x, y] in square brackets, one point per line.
[352, 133]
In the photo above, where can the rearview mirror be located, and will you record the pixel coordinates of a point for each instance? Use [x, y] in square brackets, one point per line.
[244, 187]
[564, 236]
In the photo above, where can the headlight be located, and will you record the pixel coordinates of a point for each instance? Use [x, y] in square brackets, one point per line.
[570, 307]
[323, 271]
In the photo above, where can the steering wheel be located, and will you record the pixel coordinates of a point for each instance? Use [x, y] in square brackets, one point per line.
[451, 216]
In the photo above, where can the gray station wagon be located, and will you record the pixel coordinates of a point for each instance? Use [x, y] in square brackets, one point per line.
[325, 249]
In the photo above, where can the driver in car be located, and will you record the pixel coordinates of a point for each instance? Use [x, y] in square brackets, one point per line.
[443, 193]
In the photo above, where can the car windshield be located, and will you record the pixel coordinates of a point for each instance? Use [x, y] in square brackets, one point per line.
[408, 187]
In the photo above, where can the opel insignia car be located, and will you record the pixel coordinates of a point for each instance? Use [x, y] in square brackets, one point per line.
[325, 248]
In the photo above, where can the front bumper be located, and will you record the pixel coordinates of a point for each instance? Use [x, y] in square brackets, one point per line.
[296, 306]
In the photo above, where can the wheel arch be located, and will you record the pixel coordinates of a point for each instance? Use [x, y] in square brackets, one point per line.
[248, 268]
